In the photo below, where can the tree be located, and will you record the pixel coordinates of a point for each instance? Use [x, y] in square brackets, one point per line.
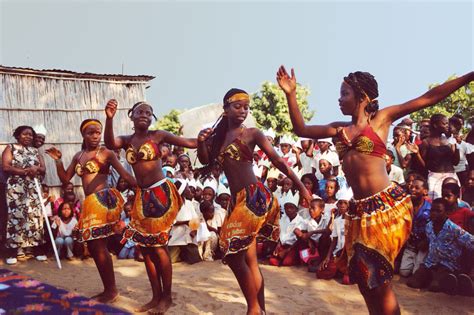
[169, 122]
[459, 102]
[270, 109]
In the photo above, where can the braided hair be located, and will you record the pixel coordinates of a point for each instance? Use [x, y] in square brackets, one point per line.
[364, 85]
[221, 126]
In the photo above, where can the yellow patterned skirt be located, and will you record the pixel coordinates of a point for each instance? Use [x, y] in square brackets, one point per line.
[376, 228]
[100, 212]
[153, 214]
[255, 209]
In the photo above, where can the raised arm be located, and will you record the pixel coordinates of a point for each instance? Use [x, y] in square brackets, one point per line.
[288, 85]
[111, 142]
[279, 163]
[112, 158]
[430, 98]
[64, 175]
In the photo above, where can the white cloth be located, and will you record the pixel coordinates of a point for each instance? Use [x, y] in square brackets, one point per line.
[65, 229]
[396, 175]
[338, 231]
[287, 228]
[403, 151]
[328, 155]
[180, 233]
[307, 163]
[313, 225]
[435, 182]
[463, 149]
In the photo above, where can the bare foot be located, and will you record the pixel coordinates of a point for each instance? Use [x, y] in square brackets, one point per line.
[163, 305]
[148, 306]
[106, 297]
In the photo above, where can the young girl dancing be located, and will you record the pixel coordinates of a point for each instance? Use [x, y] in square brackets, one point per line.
[379, 222]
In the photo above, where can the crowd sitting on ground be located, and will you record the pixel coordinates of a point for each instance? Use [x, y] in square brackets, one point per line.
[435, 164]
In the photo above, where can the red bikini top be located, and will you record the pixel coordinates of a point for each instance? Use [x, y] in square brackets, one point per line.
[367, 142]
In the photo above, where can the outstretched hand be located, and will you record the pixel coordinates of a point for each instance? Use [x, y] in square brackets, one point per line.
[204, 134]
[287, 83]
[111, 108]
[54, 153]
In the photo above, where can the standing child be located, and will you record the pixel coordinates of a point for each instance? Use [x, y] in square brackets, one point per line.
[65, 222]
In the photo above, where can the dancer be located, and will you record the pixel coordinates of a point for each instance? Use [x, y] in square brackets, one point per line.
[231, 145]
[379, 221]
[157, 201]
[102, 207]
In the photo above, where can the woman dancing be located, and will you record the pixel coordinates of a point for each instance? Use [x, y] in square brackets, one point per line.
[231, 145]
[102, 206]
[157, 201]
[379, 220]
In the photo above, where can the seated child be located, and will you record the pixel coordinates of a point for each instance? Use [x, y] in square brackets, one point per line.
[416, 247]
[287, 251]
[459, 215]
[441, 269]
[181, 244]
[209, 248]
[65, 222]
[316, 232]
[335, 261]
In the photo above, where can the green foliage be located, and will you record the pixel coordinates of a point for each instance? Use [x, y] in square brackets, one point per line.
[270, 109]
[460, 102]
[169, 122]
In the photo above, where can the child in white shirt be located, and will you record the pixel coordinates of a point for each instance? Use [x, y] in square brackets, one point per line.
[65, 222]
[209, 248]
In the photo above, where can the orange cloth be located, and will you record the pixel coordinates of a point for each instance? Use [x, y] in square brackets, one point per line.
[153, 214]
[100, 212]
[255, 207]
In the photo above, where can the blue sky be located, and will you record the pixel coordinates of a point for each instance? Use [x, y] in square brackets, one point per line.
[198, 50]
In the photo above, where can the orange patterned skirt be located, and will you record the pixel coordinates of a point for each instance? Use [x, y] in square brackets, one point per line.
[100, 212]
[376, 228]
[256, 209]
[153, 214]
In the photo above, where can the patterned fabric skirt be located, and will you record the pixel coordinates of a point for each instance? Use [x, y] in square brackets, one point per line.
[100, 212]
[153, 214]
[255, 209]
[25, 219]
[376, 228]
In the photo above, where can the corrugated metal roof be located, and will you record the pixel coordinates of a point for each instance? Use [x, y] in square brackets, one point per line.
[58, 73]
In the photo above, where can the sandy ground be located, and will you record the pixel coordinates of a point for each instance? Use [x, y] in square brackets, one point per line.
[210, 288]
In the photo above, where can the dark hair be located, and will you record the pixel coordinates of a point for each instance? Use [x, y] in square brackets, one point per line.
[319, 202]
[440, 201]
[130, 111]
[61, 206]
[456, 122]
[452, 187]
[335, 181]
[434, 119]
[20, 129]
[205, 205]
[390, 154]
[314, 180]
[421, 179]
[83, 146]
[220, 130]
[364, 84]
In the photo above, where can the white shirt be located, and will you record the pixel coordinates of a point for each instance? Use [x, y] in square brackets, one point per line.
[403, 151]
[313, 225]
[180, 233]
[65, 229]
[287, 228]
[396, 175]
[307, 163]
[338, 231]
[463, 149]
